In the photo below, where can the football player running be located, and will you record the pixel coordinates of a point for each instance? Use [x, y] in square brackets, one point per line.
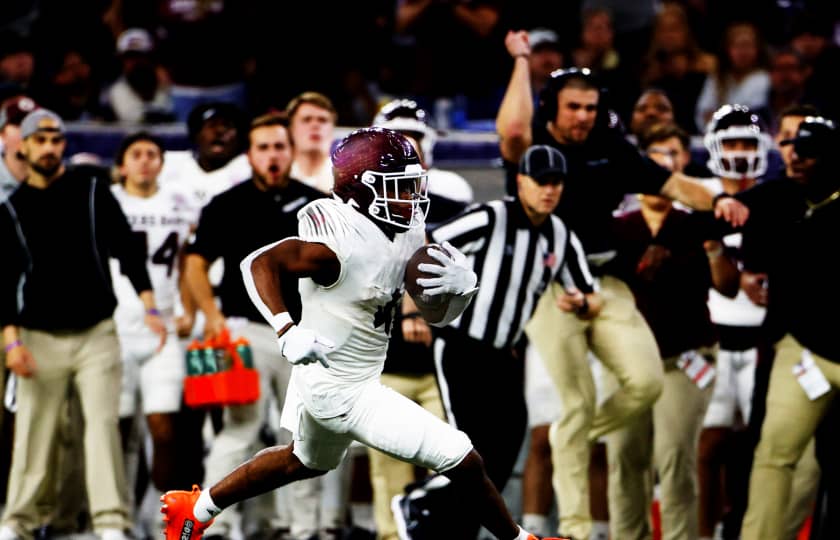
[350, 257]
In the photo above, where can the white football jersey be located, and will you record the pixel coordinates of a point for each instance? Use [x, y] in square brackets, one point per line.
[321, 180]
[181, 168]
[164, 221]
[450, 184]
[356, 312]
[738, 311]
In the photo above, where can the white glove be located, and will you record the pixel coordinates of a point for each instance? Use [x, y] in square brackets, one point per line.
[454, 276]
[302, 346]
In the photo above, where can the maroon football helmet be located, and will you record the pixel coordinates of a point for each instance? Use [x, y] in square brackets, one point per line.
[380, 171]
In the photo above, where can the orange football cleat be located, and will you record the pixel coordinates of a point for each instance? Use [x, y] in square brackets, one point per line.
[177, 510]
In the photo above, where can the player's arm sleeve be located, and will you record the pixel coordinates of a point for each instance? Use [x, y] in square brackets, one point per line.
[245, 267]
[264, 269]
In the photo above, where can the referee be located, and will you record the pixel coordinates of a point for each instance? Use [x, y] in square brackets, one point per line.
[517, 247]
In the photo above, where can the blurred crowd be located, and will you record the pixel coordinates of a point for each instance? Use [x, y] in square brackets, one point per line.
[151, 61]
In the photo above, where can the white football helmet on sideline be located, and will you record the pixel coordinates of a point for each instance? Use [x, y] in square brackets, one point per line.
[405, 116]
[736, 123]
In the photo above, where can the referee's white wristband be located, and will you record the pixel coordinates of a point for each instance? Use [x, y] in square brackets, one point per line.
[280, 320]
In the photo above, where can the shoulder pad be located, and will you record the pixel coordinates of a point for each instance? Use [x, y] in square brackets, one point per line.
[323, 219]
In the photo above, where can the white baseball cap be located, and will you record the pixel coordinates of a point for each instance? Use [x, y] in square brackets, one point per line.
[134, 40]
[543, 37]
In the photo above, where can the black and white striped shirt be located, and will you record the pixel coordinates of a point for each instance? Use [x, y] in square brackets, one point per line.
[515, 261]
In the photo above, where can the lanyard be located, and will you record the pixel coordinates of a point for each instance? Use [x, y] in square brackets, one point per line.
[813, 207]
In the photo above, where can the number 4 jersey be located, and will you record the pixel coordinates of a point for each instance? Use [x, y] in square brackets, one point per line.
[163, 221]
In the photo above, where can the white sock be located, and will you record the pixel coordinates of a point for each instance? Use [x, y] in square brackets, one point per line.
[537, 523]
[112, 534]
[205, 509]
[600, 530]
[523, 534]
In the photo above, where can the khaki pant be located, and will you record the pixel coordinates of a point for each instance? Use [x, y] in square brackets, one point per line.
[90, 360]
[664, 440]
[389, 476]
[788, 427]
[623, 342]
[803, 493]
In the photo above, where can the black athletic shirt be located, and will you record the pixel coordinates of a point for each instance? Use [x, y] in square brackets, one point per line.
[54, 273]
[801, 256]
[240, 220]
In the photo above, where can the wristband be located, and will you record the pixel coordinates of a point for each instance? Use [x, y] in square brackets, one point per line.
[523, 55]
[153, 312]
[13, 345]
[280, 320]
[412, 315]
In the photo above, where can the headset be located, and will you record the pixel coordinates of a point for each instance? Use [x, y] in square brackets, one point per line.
[547, 100]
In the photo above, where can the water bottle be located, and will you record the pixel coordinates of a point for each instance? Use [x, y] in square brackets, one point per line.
[224, 360]
[243, 349]
[208, 356]
[195, 362]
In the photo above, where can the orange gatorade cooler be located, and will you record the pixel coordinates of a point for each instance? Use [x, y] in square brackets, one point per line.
[217, 373]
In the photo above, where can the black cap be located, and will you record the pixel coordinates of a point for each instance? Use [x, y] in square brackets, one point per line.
[205, 111]
[816, 137]
[544, 164]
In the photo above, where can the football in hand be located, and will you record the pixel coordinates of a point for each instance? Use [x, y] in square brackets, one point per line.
[433, 308]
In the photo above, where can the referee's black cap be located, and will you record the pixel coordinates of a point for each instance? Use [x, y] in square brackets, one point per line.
[545, 164]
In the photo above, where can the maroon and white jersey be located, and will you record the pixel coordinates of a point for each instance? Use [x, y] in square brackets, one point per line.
[357, 311]
[181, 168]
[164, 221]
